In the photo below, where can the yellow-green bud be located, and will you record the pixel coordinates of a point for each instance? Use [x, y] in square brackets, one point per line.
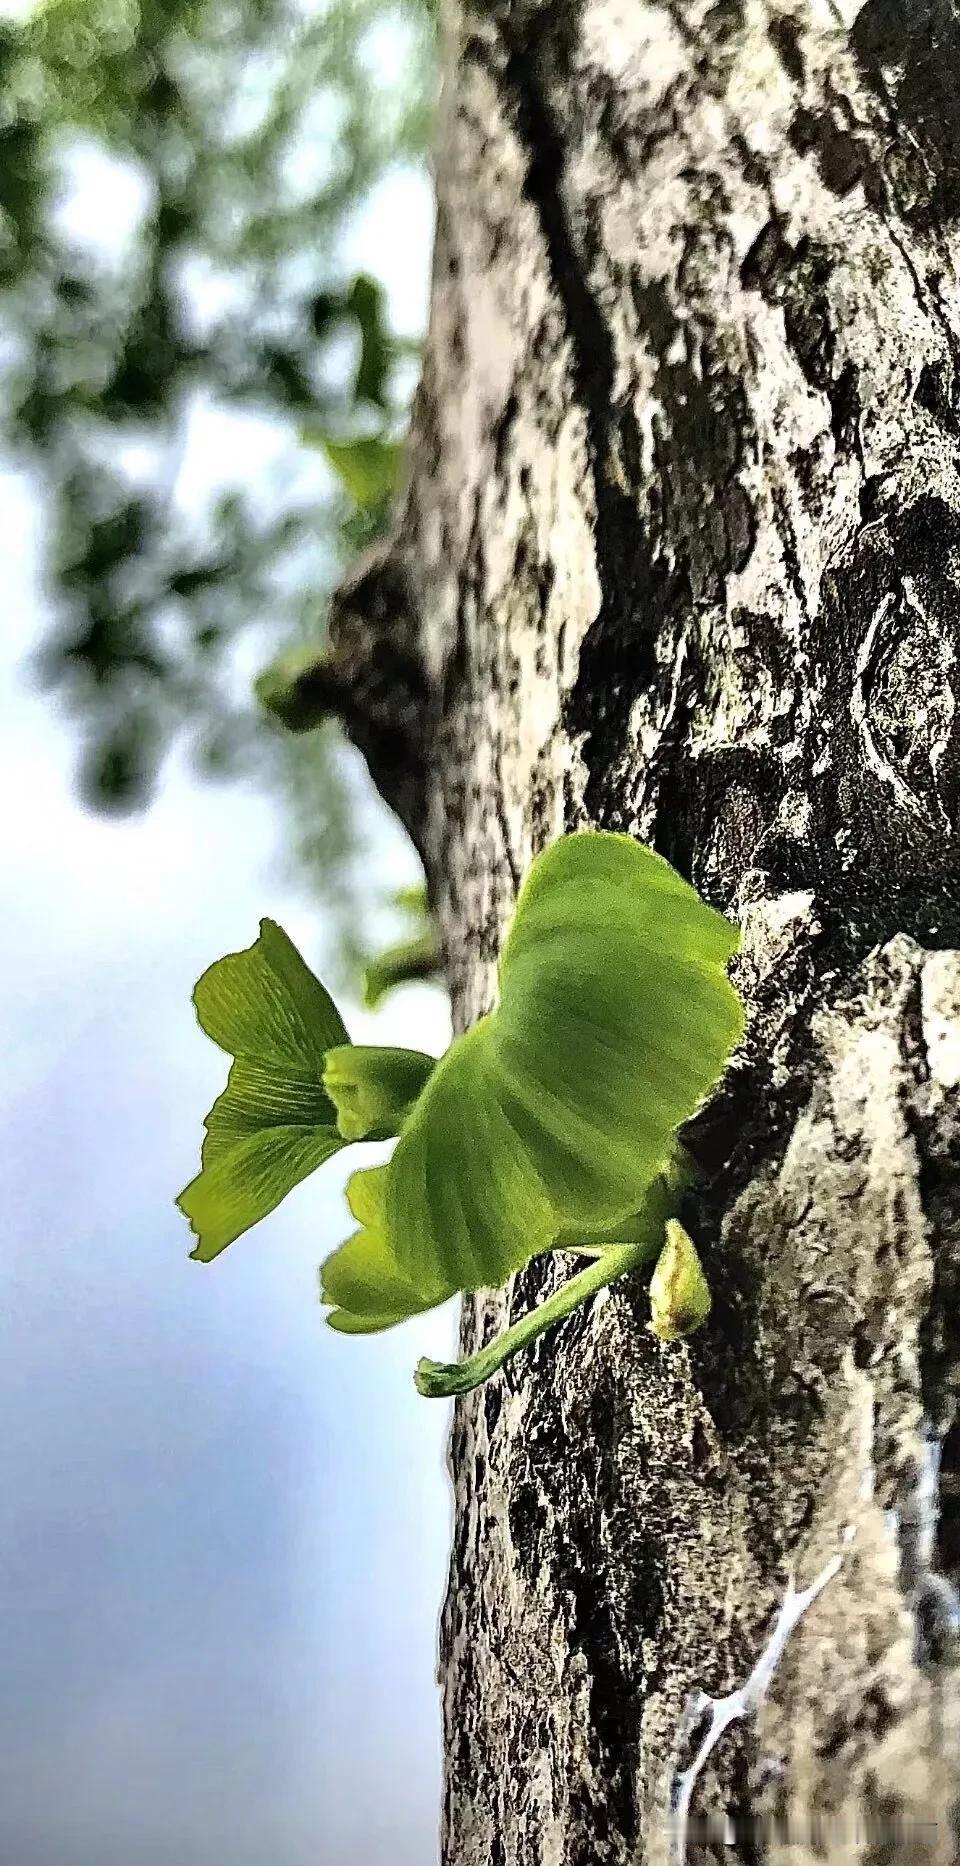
[679, 1294]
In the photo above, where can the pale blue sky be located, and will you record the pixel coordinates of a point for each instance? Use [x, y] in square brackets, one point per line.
[223, 1529]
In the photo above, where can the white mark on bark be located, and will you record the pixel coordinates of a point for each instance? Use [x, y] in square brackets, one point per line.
[745, 1701]
[650, 727]
[941, 707]
[932, 1599]
[860, 709]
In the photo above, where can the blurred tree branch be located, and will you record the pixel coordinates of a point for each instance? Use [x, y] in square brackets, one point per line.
[251, 132]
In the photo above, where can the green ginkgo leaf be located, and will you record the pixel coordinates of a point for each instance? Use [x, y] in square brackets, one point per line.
[362, 1279]
[415, 957]
[616, 1250]
[236, 1190]
[373, 1089]
[274, 1123]
[368, 467]
[551, 1125]
[406, 962]
[556, 1112]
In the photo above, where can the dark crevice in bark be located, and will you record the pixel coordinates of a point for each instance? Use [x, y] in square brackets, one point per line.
[786, 37]
[566, 1505]
[635, 590]
[796, 278]
[842, 157]
[701, 445]
[948, 1527]
[911, 56]
[936, 1134]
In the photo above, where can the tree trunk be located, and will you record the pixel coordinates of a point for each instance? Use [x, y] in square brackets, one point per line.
[680, 556]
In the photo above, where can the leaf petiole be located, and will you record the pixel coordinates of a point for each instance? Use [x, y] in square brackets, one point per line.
[443, 1379]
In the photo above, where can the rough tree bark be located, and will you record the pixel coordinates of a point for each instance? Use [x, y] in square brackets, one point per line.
[680, 556]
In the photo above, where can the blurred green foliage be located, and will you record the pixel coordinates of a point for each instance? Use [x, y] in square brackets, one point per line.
[248, 133]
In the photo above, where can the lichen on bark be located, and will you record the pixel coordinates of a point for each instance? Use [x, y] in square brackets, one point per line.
[680, 555]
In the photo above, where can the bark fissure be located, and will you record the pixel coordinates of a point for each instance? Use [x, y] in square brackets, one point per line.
[629, 582]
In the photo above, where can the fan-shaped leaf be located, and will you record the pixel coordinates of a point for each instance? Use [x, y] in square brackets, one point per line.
[554, 1113]
[266, 1004]
[274, 1122]
[244, 1184]
[363, 1279]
